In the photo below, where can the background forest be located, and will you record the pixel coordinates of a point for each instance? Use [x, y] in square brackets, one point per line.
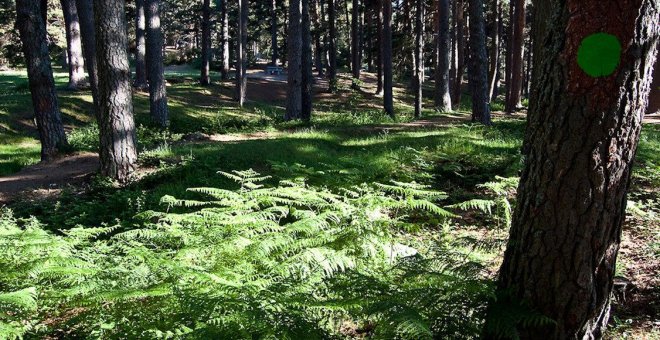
[326, 169]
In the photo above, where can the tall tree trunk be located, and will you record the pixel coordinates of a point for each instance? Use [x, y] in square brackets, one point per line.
[224, 39]
[43, 10]
[442, 51]
[498, 66]
[86, 14]
[583, 130]
[356, 43]
[332, 45]
[369, 35]
[141, 48]
[478, 66]
[388, 96]
[76, 62]
[306, 63]
[205, 77]
[32, 30]
[294, 62]
[241, 60]
[273, 33]
[157, 89]
[379, 58]
[459, 19]
[517, 39]
[118, 151]
[654, 97]
[318, 50]
[419, 57]
[495, 47]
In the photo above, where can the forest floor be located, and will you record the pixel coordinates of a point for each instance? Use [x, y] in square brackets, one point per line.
[349, 142]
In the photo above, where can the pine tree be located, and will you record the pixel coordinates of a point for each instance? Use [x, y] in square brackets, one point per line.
[157, 88]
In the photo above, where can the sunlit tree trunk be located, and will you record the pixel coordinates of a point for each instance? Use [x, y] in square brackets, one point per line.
[516, 42]
[419, 57]
[241, 60]
[379, 48]
[495, 47]
[76, 62]
[294, 61]
[442, 51]
[478, 65]
[140, 46]
[306, 63]
[356, 42]
[157, 89]
[459, 27]
[273, 33]
[388, 95]
[332, 45]
[205, 76]
[86, 14]
[32, 30]
[580, 143]
[118, 151]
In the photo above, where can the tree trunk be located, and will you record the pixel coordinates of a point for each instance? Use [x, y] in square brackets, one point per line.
[118, 151]
[654, 97]
[356, 43]
[495, 48]
[498, 66]
[478, 65]
[306, 63]
[516, 51]
[442, 51]
[459, 20]
[43, 10]
[140, 43]
[241, 60]
[205, 77]
[583, 130]
[32, 30]
[157, 89]
[388, 98]
[294, 61]
[76, 62]
[419, 57]
[273, 33]
[224, 39]
[86, 14]
[332, 46]
[379, 57]
[318, 50]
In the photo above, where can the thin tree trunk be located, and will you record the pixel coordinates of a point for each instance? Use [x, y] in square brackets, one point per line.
[141, 48]
[498, 73]
[517, 39]
[157, 89]
[205, 76]
[388, 98]
[582, 135]
[356, 43]
[294, 62]
[495, 48]
[318, 50]
[118, 151]
[273, 33]
[459, 19]
[76, 62]
[86, 14]
[224, 40]
[379, 58]
[332, 46]
[46, 108]
[369, 35]
[241, 60]
[442, 51]
[478, 66]
[419, 57]
[306, 63]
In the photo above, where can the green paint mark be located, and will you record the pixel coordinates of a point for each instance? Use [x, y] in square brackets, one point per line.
[599, 54]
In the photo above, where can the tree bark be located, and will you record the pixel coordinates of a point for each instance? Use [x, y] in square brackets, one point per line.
[140, 43]
[495, 48]
[356, 43]
[654, 97]
[157, 89]
[294, 62]
[388, 98]
[419, 57]
[86, 14]
[442, 51]
[318, 50]
[379, 57]
[273, 33]
[579, 147]
[76, 62]
[516, 51]
[459, 21]
[478, 65]
[32, 31]
[224, 39]
[306, 63]
[205, 76]
[118, 151]
[332, 46]
[241, 60]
